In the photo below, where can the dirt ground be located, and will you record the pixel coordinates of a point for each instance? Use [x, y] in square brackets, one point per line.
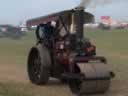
[18, 74]
[13, 72]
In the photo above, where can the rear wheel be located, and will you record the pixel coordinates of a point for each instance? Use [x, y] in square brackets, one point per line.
[38, 71]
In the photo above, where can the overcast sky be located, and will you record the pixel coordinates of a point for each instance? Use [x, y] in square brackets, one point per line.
[15, 11]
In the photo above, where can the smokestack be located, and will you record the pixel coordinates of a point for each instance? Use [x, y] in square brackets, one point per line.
[78, 20]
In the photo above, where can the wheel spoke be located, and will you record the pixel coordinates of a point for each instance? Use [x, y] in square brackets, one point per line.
[36, 67]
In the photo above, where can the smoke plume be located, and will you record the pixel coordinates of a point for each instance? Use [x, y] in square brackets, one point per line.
[86, 3]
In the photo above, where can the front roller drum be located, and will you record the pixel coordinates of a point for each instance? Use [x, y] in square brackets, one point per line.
[96, 79]
[94, 86]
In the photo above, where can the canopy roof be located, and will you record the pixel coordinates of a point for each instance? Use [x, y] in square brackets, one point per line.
[54, 17]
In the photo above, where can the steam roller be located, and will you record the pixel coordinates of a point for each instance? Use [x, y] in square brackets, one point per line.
[63, 52]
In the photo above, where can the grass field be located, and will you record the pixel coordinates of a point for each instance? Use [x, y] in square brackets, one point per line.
[13, 57]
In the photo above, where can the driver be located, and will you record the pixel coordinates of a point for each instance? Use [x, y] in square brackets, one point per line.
[49, 33]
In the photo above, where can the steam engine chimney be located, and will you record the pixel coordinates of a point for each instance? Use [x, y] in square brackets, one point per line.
[79, 22]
